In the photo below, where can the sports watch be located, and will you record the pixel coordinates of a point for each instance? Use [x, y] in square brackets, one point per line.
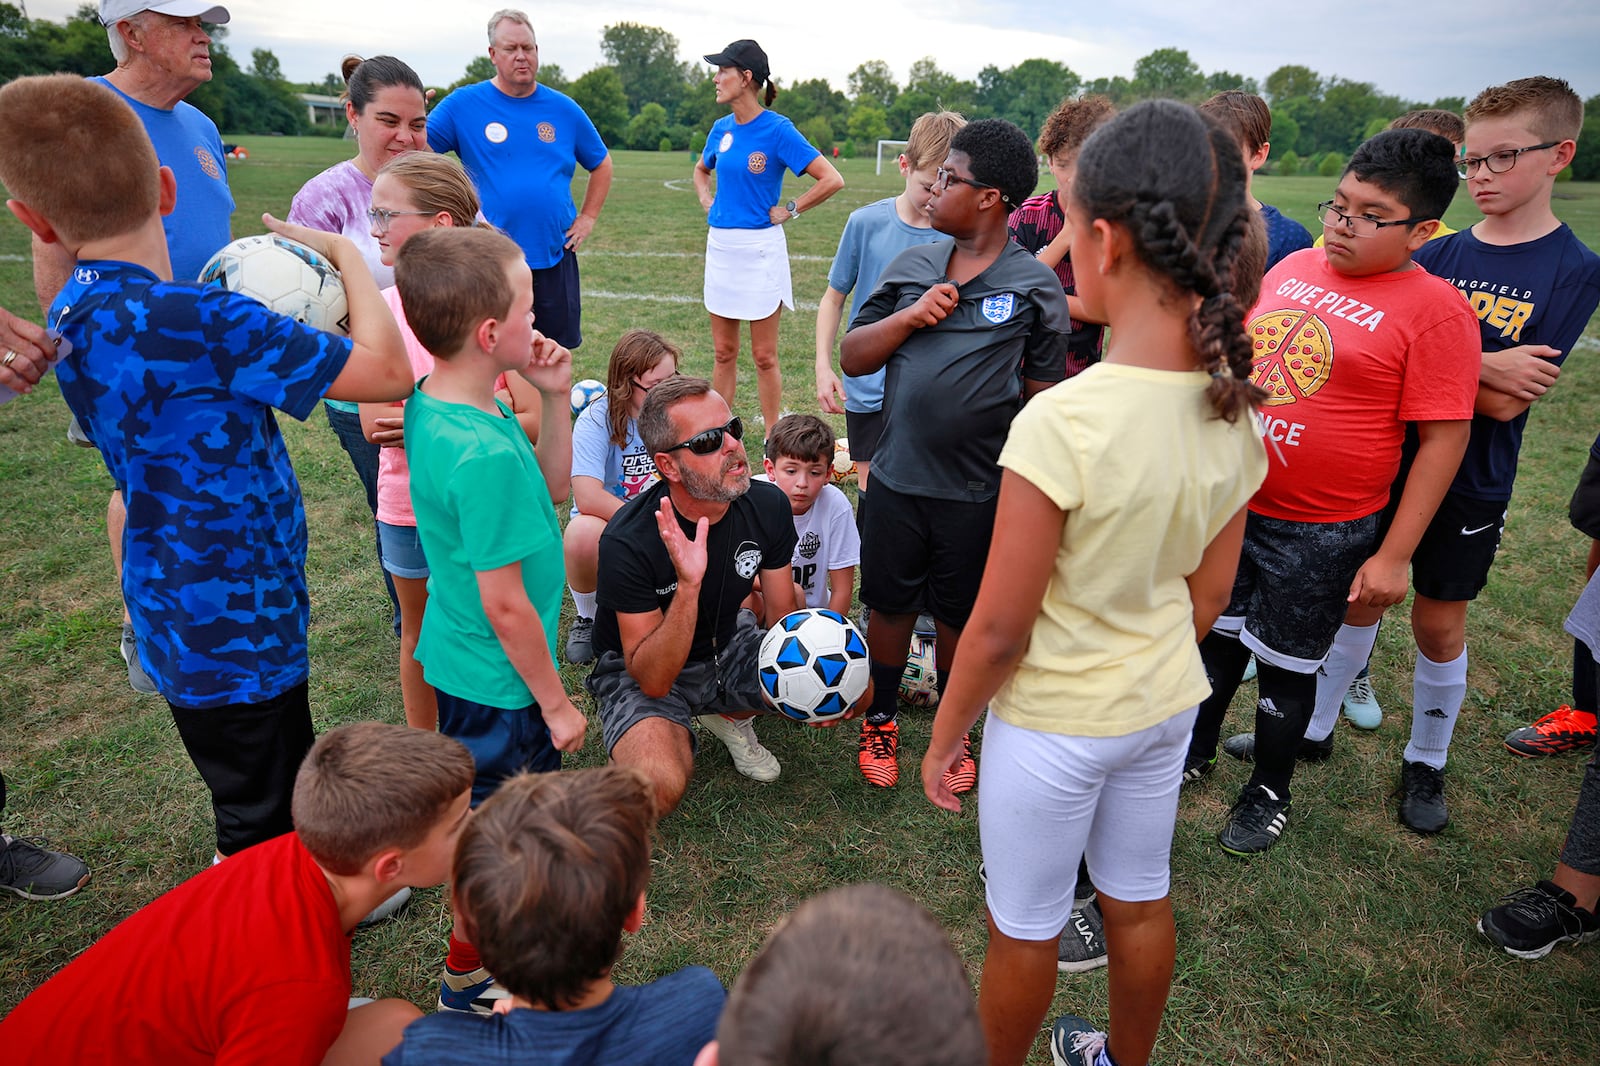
[793, 207]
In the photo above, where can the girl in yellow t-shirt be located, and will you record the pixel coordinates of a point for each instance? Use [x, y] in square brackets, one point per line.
[1120, 517]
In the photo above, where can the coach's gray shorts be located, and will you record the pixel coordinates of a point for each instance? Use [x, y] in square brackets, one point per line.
[698, 689]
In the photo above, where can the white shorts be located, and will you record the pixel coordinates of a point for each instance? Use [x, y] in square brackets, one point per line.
[747, 273]
[1049, 798]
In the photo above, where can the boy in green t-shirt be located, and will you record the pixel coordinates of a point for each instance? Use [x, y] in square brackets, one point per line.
[483, 499]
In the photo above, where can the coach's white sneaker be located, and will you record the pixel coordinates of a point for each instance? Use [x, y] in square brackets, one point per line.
[739, 735]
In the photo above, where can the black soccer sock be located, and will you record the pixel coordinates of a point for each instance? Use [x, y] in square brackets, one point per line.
[861, 510]
[885, 691]
[1224, 658]
[1584, 694]
[1282, 714]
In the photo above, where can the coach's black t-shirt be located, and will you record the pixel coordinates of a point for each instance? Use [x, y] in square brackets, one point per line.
[637, 576]
[952, 389]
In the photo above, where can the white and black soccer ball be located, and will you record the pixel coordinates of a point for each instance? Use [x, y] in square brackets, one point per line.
[813, 665]
[919, 684]
[287, 276]
[585, 393]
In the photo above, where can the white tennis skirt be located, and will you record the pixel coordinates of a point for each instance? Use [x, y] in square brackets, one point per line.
[747, 273]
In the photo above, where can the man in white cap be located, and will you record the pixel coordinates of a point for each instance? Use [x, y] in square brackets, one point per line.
[163, 54]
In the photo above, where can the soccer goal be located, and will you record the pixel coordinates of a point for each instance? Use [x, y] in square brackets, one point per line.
[892, 146]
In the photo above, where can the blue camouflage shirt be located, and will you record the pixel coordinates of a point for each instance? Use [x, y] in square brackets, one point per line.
[176, 384]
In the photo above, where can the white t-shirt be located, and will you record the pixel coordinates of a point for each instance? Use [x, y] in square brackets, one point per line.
[827, 540]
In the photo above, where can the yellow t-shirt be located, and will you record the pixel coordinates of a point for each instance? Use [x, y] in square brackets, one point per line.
[1442, 231]
[1148, 476]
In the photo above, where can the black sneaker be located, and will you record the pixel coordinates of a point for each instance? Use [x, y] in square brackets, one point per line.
[33, 872]
[1242, 746]
[1195, 768]
[1083, 941]
[580, 641]
[1531, 921]
[1255, 822]
[1422, 806]
[1075, 1042]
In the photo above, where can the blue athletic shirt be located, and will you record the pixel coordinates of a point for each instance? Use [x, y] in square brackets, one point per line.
[749, 160]
[189, 143]
[521, 152]
[663, 1023]
[626, 471]
[1538, 292]
[1284, 235]
[872, 236]
[176, 384]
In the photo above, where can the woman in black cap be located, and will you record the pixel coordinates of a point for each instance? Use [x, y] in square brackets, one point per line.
[747, 258]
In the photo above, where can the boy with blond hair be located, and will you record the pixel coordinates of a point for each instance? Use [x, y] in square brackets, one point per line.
[1039, 224]
[484, 501]
[249, 961]
[872, 236]
[176, 385]
[550, 873]
[1249, 119]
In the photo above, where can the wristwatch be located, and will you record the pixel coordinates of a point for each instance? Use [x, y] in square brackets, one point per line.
[793, 207]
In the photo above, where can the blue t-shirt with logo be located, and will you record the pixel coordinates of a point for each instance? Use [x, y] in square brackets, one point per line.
[872, 236]
[176, 384]
[1284, 234]
[188, 142]
[750, 159]
[521, 152]
[1538, 292]
[624, 471]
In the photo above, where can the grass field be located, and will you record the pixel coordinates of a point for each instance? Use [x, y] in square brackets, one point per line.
[1352, 940]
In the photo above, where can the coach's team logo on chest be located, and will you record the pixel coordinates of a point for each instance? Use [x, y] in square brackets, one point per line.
[547, 132]
[1293, 354]
[758, 162]
[998, 308]
[495, 133]
[207, 164]
[726, 142]
[747, 559]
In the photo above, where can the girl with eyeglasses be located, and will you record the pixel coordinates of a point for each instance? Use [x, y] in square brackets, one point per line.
[412, 193]
[610, 466]
[386, 107]
[747, 255]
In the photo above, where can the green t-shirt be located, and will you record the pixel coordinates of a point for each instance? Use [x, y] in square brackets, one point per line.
[481, 503]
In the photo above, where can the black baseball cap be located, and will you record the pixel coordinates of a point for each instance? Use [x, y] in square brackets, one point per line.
[745, 55]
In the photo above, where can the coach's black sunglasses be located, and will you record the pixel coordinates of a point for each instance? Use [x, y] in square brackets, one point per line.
[708, 441]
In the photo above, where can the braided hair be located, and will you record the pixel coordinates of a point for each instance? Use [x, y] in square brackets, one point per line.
[1175, 181]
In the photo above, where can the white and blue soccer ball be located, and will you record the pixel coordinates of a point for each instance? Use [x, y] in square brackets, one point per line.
[585, 393]
[813, 665]
[919, 684]
[286, 276]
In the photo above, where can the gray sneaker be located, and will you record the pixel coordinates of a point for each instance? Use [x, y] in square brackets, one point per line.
[76, 435]
[387, 909]
[1083, 941]
[140, 680]
[33, 872]
[750, 758]
[580, 641]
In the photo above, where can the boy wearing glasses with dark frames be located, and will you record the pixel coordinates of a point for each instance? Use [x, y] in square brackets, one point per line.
[1353, 342]
[676, 561]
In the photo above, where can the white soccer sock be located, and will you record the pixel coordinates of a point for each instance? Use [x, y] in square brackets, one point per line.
[1352, 647]
[1437, 692]
[584, 600]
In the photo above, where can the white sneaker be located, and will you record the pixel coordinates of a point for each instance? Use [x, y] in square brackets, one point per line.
[1361, 704]
[387, 909]
[739, 735]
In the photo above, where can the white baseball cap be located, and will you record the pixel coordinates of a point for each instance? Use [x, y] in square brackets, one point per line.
[114, 11]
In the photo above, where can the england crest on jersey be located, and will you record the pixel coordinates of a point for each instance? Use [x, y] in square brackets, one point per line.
[998, 308]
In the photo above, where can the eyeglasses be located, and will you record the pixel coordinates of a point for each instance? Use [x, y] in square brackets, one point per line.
[944, 177]
[1359, 225]
[1497, 162]
[382, 219]
[708, 441]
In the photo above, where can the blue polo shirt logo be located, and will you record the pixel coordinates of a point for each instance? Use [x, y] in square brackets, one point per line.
[998, 308]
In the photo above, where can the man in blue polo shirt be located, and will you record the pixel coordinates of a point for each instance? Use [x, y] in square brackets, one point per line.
[520, 141]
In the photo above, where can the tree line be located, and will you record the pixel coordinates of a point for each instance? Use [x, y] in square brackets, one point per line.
[645, 96]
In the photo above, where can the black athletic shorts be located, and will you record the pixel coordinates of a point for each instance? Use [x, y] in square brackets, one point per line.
[1584, 510]
[557, 306]
[863, 428]
[1455, 553]
[921, 553]
[248, 755]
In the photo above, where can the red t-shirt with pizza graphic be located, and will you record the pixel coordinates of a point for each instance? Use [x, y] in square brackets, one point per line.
[1346, 363]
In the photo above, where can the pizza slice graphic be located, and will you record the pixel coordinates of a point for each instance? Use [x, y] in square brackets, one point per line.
[1293, 354]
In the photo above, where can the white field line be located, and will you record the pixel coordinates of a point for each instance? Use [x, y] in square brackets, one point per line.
[693, 255]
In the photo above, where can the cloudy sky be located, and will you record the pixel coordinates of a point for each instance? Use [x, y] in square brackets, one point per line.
[1421, 49]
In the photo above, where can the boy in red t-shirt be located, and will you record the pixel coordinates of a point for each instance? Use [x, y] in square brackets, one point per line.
[249, 962]
[1353, 341]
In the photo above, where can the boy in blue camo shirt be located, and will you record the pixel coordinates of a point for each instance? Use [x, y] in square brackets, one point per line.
[176, 385]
